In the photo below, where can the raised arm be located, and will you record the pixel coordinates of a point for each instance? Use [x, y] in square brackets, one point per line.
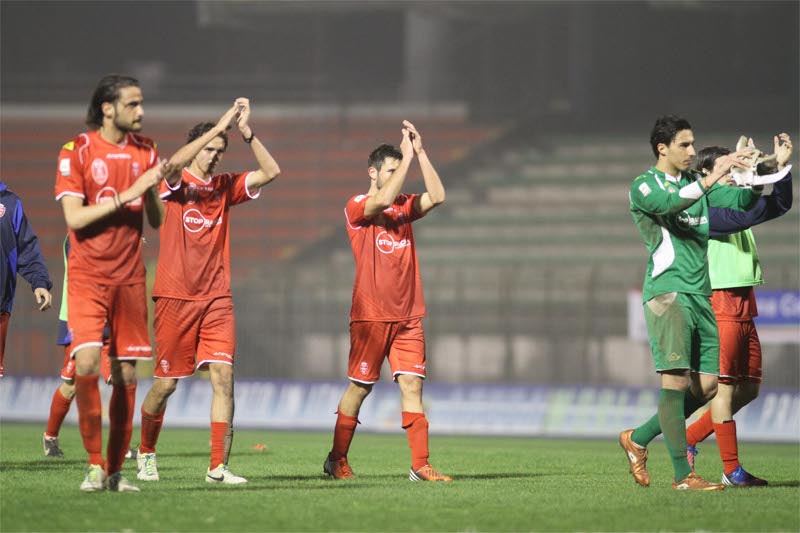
[391, 188]
[268, 168]
[434, 189]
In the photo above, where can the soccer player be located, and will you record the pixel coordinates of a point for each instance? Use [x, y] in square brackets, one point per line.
[388, 306]
[62, 398]
[734, 270]
[106, 180]
[194, 322]
[21, 253]
[670, 208]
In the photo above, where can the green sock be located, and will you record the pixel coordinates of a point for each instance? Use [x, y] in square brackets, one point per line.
[673, 423]
[647, 432]
[652, 428]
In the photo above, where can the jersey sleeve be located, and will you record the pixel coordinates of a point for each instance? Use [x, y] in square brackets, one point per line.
[239, 190]
[648, 194]
[732, 197]
[69, 174]
[354, 211]
[166, 191]
[411, 211]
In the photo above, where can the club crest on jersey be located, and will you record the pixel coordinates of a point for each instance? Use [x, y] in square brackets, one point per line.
[136, 169]
[191, 193]
[386, 243]
[99, 171]
[2, 210]
[363, 368]
[164, 365]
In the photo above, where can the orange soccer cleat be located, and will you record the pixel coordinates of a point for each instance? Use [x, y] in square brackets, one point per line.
[428, 473]
[695, 482]
[338, 469]
[637, 457]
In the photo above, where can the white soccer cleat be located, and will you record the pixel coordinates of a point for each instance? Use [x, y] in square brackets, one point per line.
[95, 479]
[221, 474]
[118, 483]
[146, 468]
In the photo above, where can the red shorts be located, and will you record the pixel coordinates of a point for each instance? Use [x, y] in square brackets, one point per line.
[4, 318]
[68, 370]
[739, 351]
[739, 347]
[90, 305]
[191, 334]
[371, 342]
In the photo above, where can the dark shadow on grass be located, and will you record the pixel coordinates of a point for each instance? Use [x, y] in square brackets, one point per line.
[43, 464]
[783, 484]
[264, 485]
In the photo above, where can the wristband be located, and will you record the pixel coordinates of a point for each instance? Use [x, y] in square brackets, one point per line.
[248, 140]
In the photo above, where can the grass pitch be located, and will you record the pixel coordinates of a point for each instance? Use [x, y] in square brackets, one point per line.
[501, 484]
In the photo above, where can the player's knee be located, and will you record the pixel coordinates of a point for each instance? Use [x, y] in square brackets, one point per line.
[163, 388]
[222, 379]
[410, 386]
[67, 389]
[359, 390]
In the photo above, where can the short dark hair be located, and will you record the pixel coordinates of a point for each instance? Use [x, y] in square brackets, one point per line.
[665, 130]
[107, 90]
[200, 129]
[707, 157]
[382, 152]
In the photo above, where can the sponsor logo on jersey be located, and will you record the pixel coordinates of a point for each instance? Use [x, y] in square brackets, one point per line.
[224, 354]
[106, 194]
[685, 220]
[386, 243]
[145, 348]
[363, 368]
[118, 156]
[419, 367]
[99, 172]
[194, 221]
[644, 189]
[69, 146]
[64, 166]
[2, 210]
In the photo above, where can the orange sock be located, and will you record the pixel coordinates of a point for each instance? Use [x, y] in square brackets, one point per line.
[218, 432]
[343, 435]
[120, 428]
[700, 430]
[151, 427]
[90, 412]
[59, 408]
[728, 447]
[416, 426]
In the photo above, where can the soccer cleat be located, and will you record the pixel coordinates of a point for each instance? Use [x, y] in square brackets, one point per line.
[119, 483]
[146, 468]
[695, 482]
[221, 474]
[339, 469]
[691, 453]
[51, 448]
[637, 457]
[95, 479]
[742, 478]
[427, 473]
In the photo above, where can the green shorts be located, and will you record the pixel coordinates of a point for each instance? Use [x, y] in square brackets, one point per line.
[683, 332]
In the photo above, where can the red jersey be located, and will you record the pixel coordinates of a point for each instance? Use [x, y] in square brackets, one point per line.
[387, 287]
[91, 168]
[194, 261]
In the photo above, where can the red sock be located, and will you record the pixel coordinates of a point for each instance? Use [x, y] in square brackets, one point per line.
[218, 432]
[90, 416]
[700, 430]
[343, 435]
[728, 447]
[120, 428]
[59, 408]
[416, 426]
[151, 427]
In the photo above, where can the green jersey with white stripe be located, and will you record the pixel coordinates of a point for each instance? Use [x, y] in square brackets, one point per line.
[671, 214]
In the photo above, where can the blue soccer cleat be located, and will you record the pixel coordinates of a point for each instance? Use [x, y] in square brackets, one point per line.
[691, 453]
[742, 478]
